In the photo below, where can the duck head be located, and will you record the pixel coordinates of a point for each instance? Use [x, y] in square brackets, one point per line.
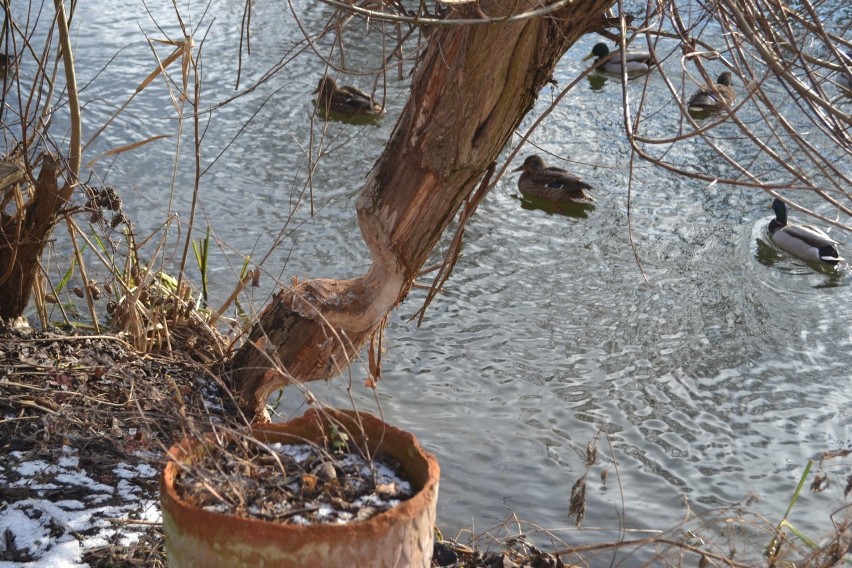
[599, 51]
[533, 164]
[326, 85]
[725, 79]
[780, 209]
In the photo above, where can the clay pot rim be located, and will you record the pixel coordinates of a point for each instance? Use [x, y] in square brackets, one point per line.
[378, 523]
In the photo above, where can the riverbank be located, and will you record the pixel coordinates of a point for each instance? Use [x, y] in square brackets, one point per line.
[85, 423]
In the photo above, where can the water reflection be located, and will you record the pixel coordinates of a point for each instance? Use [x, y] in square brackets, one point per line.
[766, 253]
[575, 209]
[834, 278]
[596, 80]
[356, 119]
[702, 114]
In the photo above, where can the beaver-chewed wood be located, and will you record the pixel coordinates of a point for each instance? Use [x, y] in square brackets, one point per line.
[467, 99]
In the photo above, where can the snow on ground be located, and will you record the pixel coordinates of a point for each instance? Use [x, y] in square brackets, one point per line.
[53, 511]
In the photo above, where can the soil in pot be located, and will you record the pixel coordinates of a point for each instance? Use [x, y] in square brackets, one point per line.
[301, 484]
[362, 493]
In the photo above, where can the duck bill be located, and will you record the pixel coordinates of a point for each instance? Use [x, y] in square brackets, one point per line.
[519, 169]
[589, 56]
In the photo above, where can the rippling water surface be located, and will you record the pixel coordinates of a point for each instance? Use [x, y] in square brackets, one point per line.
[715, 379]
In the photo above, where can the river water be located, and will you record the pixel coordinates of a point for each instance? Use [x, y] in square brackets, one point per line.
[715, 380]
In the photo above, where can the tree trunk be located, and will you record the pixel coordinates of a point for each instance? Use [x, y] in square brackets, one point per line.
[22, 239]
[470, 91]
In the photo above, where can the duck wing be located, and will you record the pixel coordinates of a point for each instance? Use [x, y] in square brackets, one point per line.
[634, 62]
[810, 235]
[645, 57]
[807, 242]
[712, 97]
[355, 98]
[558, 178]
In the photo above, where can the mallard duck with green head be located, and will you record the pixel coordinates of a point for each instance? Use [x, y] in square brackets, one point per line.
[551, 183]
[714, 97]
[803, 241]
[636, 62]
[346, 100]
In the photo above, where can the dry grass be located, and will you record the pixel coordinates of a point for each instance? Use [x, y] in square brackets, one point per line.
[97, 398]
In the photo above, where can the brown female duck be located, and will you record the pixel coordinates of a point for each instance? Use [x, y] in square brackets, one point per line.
[714, 97]
[551, 183]
[347, 101]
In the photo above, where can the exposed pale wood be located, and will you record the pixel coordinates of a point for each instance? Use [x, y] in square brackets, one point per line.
[10, 173]
[472, 88]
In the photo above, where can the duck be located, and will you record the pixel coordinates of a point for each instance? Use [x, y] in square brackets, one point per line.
[714, 97]
[346, 100]
[551, 183]
[636, 62]
[803, 241]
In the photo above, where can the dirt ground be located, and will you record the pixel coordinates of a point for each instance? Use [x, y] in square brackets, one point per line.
[84, 423]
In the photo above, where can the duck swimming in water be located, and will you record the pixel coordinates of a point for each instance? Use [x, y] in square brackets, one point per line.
[714, 97]
[636, 62]
[551, 183]
[347, 101]
[802, 241]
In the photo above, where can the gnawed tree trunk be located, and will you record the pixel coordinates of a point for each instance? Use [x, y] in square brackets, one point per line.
[469, 94]
[24, 234]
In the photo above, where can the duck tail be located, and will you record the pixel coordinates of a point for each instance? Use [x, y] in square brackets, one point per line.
[830, 255]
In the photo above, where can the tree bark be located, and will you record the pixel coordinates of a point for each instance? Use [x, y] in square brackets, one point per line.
[470, 91]
[22, 239]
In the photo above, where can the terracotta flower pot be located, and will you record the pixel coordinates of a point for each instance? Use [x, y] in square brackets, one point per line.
[401, 536]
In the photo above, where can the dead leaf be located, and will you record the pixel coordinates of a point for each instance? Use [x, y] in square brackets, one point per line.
[126, 148]
[820, 483]
[577, 503]
[309, 483]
